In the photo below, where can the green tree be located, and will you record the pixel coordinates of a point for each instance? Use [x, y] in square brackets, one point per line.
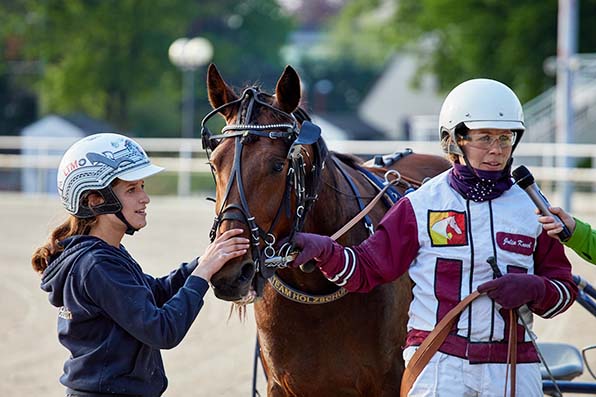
[503, 39]
[98, 55]
[249, 34]
[109, 58]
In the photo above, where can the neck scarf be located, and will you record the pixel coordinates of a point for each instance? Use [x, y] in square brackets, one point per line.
[478, 185]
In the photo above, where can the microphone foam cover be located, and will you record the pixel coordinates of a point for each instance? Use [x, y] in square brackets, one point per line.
[522, 176]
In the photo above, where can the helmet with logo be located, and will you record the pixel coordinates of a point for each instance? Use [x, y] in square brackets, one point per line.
[477, 104]
[92, 164]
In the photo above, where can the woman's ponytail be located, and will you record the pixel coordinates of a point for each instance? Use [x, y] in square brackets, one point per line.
[71, 227]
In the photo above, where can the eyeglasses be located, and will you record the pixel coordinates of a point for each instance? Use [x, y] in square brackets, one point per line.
[486, 141]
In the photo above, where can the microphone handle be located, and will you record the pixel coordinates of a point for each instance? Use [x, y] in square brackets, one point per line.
[542, 204]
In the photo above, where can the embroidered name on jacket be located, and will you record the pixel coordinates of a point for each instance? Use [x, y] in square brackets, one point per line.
[516, 243]
[447, 228]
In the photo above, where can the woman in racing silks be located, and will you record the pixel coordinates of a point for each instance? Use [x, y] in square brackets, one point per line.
[113, 318]
[442, 235]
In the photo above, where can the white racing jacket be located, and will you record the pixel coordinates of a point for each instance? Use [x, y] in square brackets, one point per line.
[444, 240]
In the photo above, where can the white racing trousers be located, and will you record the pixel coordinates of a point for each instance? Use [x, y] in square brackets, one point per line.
[450, 376]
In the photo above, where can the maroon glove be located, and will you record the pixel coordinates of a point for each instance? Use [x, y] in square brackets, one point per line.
[514, 290]
[312, 246]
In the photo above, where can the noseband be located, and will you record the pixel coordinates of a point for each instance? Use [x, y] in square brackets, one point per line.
[305, 186]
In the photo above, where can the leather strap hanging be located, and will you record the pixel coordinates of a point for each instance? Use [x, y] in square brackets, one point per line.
[511, 352]
[435, 339]
[364, 211]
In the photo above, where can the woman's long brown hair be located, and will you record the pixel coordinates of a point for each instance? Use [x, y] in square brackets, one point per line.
[71, 227]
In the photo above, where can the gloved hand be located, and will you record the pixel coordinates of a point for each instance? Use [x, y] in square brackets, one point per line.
[311, 246]
[513, 290]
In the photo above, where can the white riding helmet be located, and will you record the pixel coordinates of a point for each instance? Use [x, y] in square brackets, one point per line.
[92, 163]
[480, 103]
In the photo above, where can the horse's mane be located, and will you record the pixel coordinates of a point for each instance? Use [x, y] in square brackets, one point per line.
[348, 159]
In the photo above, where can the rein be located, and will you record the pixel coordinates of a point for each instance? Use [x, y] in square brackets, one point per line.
[435, 339]
[298, 296]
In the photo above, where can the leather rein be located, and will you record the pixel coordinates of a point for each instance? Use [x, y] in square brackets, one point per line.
[435, 339]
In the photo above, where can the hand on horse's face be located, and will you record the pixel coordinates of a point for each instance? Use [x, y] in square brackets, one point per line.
[311, 246]
[514, 290]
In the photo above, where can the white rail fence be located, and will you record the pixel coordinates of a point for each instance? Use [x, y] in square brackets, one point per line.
[44, 154]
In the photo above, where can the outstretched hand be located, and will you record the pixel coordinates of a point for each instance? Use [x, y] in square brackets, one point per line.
[552, 226]
[220, 251]
[513, 290]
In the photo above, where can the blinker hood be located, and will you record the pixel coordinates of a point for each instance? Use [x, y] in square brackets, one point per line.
[309, 134]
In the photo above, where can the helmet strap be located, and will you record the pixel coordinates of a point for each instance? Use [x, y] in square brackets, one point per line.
[129, 228]
[110, 204]
[452, 146]
[467, 163]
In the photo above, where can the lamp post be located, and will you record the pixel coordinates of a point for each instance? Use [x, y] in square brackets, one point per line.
[565, 114]
[188, 55]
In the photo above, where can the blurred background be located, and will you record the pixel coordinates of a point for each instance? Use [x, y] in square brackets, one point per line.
[371, 70]
[374, 74]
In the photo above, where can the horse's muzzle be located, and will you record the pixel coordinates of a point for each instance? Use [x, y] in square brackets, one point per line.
[233, 282]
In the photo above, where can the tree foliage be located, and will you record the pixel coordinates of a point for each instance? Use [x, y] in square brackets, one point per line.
[503, 39]
[98, 55]
[109, 58]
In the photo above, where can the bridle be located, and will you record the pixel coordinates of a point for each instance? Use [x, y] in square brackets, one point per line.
[305, 185]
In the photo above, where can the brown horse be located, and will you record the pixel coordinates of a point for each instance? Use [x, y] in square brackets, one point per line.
[274, 177]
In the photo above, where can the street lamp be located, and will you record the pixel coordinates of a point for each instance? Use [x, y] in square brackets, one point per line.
[188, 55]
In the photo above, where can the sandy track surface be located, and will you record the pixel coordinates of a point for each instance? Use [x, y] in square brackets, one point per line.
[216, 357]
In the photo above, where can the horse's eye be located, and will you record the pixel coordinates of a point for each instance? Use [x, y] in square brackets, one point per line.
[278, 166]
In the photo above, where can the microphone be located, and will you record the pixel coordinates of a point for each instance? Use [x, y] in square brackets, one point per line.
[525, 180]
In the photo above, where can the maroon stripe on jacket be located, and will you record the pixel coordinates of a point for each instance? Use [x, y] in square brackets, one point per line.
[476, 352]
[448, 279]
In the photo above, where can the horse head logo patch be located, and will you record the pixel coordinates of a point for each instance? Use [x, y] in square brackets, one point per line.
[447, 228]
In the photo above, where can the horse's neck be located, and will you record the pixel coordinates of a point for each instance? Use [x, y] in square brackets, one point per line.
[336, 204]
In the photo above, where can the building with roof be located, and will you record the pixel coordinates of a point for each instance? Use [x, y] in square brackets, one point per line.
[46, 140]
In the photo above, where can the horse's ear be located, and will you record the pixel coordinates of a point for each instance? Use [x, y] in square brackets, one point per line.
[287, 90]
[219, 92]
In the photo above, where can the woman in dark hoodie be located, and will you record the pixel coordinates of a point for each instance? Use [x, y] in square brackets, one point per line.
[113, 318]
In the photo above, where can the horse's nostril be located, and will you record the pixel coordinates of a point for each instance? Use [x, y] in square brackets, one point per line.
[247, 272]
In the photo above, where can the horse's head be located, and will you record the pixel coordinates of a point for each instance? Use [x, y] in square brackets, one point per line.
[262, 161]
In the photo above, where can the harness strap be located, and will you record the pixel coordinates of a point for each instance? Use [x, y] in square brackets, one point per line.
[367, 221]
[344, 229]
[435, 339]
[393, 195]
[414, 182]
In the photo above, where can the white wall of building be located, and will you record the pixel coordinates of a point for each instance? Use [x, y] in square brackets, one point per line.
[393, 99]
[38, 180]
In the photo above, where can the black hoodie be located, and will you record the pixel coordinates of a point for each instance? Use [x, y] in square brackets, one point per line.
[114, 319]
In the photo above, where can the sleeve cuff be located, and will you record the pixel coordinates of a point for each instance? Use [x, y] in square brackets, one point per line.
[582, 229]
[190, 267]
